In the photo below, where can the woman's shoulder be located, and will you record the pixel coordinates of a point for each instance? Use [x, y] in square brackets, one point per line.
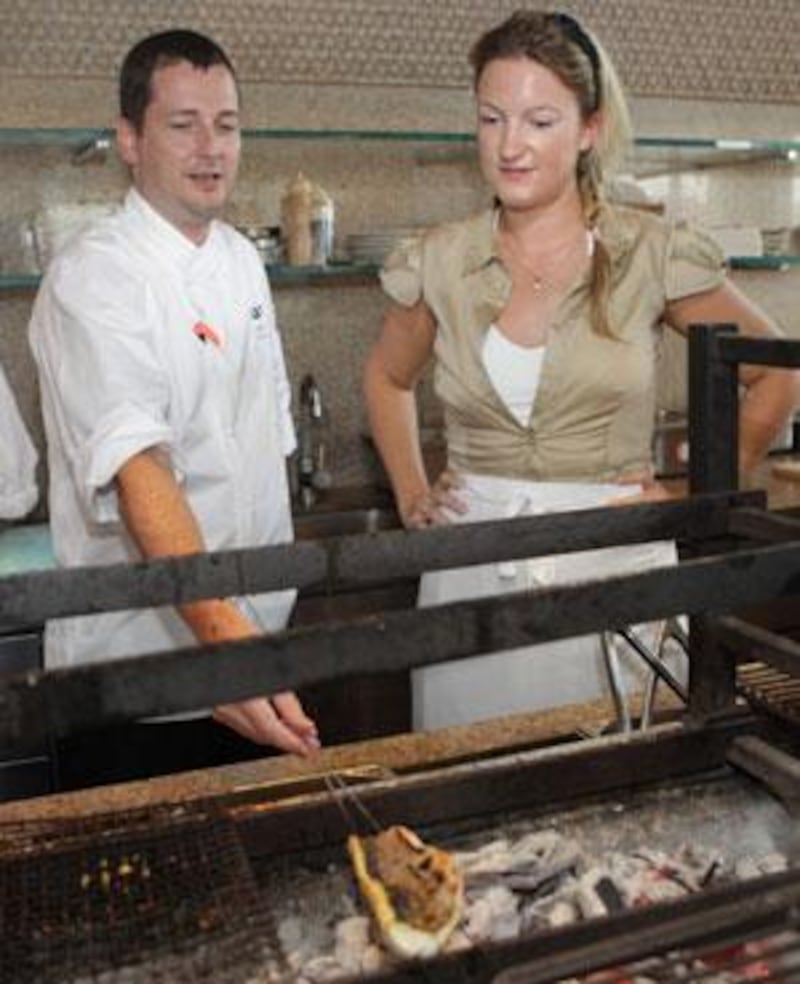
[460, 235]
[682, 255]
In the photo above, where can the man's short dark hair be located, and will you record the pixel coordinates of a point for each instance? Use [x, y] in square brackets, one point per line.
[155, 51]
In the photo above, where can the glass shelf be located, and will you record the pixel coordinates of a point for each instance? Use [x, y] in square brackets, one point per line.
[282, 275]
[78, 137]
[279, 275]
[783, 262]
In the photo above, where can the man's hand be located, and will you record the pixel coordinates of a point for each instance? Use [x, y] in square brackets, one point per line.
[161, 522]
[279, 721]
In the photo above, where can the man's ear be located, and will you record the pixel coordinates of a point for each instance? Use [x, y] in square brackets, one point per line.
[127, 141]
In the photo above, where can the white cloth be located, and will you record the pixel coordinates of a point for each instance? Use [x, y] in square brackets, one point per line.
[18, 458]
[116, 333]
[538, 676]
[514, 370]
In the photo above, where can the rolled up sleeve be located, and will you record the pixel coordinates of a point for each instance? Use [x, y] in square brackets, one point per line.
[106, 390]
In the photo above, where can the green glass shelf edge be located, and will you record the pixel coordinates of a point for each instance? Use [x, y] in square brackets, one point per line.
[76, 137]
[278, 275]
[781, 262]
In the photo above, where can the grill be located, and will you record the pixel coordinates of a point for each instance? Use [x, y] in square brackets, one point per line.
[172, 886]
[200, 892]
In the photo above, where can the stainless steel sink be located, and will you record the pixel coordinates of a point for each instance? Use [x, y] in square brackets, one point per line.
[343, 522]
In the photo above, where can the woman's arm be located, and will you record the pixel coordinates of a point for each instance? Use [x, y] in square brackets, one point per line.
[162, 524]
[393, 369]
[771, 394]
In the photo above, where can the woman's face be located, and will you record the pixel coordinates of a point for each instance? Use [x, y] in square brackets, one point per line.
[530, 133]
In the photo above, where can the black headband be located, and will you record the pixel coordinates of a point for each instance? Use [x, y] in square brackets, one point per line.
[573, 30]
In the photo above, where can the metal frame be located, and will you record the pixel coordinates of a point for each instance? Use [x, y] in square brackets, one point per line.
[64, 700]
[715, 354]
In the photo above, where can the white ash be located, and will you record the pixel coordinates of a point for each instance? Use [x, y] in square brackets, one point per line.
[516, 886]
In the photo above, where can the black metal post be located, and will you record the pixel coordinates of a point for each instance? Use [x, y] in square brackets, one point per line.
[713, 411]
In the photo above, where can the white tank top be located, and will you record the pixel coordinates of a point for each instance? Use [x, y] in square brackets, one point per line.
[514, 371]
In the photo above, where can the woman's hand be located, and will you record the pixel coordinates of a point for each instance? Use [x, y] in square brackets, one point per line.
[650, 490]
[431, 507]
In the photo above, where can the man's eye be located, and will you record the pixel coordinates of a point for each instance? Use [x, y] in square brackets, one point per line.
[489, 119]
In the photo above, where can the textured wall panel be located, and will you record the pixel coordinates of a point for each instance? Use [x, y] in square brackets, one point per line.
[715, 49]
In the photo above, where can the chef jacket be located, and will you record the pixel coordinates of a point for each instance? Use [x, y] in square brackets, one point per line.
[592, 417]
[18, 458]
[145, 340]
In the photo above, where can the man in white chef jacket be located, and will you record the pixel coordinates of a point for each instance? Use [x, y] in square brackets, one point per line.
[166, 403]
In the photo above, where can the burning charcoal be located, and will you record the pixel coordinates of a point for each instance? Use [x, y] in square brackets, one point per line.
[493, 916]
[772, 863]
[372, 959]
[322, 969]
[598, 894]
[526, 865]
[352, 940]
[749, 867]
[562, 914]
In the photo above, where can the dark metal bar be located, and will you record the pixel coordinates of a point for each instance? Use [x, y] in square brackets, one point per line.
[655, 664]
[757, 644]
[779, 771]
[767, 526]
[31, 599]
[713, 417]
[551, 778]
[712, 673]
[65, 700]
[732, 915]
[783, 352]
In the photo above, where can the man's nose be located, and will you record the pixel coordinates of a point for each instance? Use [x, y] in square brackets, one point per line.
[207, 138]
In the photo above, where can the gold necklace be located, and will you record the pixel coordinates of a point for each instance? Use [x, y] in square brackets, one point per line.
[540, 281]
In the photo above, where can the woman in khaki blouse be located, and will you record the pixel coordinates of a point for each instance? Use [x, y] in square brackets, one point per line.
[543, 317]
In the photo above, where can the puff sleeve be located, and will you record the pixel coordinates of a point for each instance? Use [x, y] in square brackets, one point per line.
[401, 276]
[694, 263]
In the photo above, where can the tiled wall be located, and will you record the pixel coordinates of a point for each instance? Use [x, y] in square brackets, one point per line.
[721, 49]
[693, 67]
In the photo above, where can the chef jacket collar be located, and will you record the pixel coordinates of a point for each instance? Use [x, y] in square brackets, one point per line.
[171, 243]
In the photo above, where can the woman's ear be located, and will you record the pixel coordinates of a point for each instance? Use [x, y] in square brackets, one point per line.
[592, 129]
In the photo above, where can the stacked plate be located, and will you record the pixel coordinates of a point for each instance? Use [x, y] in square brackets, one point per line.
[374, 247]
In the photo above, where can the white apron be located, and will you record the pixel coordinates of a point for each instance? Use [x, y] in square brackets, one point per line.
[539, 676]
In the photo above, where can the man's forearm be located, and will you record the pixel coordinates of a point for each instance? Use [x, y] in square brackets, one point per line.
[162, 524]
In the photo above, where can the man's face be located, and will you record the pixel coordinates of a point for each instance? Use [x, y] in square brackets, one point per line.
[185, 157]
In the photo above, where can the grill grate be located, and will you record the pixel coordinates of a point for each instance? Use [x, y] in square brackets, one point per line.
[169, 886]
[770, 690]
[770, 959]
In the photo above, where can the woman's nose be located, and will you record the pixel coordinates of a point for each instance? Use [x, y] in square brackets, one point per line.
[510, 142]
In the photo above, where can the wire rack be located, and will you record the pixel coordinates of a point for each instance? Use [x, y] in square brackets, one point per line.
[168, 890]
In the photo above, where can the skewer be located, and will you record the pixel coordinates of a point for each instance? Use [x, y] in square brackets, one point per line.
[349, 802]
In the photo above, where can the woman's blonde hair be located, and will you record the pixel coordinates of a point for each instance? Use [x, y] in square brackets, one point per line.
[561, 44]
